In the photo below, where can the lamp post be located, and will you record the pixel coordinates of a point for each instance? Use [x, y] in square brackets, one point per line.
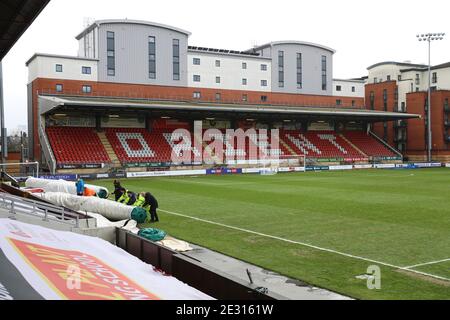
[429, 37]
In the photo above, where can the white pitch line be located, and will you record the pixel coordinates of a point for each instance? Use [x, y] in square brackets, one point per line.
[427, 263]
[306, 245]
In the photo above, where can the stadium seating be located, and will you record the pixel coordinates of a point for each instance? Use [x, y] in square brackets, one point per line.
[73, 145]
[320, 144]
[163, 145]
[135, 145]
[368, 144]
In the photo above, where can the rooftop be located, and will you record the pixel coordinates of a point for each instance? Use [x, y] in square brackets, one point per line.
[126, 21]
[295, 42]
[15, 18]
[223, 51]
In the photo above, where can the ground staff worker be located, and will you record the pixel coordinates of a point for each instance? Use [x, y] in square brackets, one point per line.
[140, 199]
[132, 198]
[124, 196]
[150, 205]
[80, 187]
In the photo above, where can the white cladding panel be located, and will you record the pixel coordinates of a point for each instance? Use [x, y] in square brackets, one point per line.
[45, 67]
[348, 88]
[231, 72]
[383, 72]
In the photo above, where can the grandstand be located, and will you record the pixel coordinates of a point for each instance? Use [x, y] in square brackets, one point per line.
[146, 135]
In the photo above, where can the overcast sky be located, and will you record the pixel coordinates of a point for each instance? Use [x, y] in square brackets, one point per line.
[362, 32]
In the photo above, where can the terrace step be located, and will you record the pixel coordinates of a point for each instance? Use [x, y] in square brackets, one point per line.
[109, 150]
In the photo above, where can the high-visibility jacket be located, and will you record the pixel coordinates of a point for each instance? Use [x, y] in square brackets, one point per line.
[139, 201]
[124, 198]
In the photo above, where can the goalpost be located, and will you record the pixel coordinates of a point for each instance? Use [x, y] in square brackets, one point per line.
[21, 169]
[283, 163]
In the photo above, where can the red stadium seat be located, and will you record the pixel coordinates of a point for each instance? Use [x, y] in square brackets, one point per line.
[73, 145]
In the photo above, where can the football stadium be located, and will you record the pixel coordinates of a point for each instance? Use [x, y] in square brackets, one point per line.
[157, 169]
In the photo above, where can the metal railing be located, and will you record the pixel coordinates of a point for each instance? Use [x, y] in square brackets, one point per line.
[47, 212]
[48, 153]
[387, 145]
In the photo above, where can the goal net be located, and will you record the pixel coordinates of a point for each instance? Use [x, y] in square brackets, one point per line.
[283, 163]
[20, 169]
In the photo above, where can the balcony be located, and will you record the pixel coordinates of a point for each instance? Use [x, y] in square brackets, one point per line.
[446, 108]
[447, 138]
[447, 123]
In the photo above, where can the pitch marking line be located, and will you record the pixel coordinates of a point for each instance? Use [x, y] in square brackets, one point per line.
[427, 263]
[306, 245]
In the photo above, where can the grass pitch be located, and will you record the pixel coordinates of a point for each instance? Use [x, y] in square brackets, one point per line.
[324, 228]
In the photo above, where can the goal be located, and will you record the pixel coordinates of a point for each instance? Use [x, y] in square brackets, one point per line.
[283, 163]
[20, 169]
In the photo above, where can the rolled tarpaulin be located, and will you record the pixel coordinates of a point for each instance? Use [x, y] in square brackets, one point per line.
[63, 186]
[111, 210]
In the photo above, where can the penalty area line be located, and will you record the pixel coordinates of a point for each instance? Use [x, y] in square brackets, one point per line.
[305, 245]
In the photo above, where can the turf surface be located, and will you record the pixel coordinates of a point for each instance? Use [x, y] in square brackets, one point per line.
[397, 217]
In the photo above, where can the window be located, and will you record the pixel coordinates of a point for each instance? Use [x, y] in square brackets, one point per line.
[385, 99]
[280, 69]
[338, 88]
[111, 53]
[59, 88]
[196, 95]
[87, 89]
[244, 97]
[353, 89]
[399, 77]
[196, 78]
[217, 79]
[353, 103]
[264, 67]
[263, 98]
[152, 57]
[375, 80]
[59, 68]
[217, 63]
[324, 73]
[244, 65]
[434, 79]
[244, 81]
[176, 59]
[338, 102]
[218, 96]
[299, 71]
[417, 78]
[388, 78]
[372, 100]
[196, 61]
[86, 70]
[263, 83]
